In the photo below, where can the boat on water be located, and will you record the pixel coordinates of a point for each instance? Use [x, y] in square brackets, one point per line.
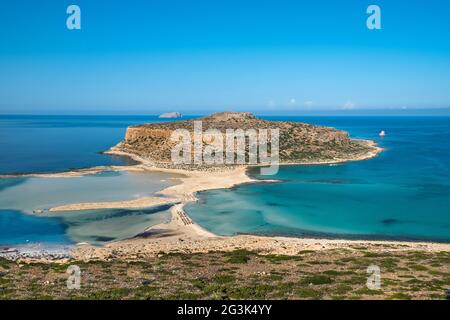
[382, 133]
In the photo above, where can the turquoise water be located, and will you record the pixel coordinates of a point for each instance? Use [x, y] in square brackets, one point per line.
[29, 194]
[92, 226]
[59, 143]
[402, 194]
[19, 197]
[101, 226]
[19, 228]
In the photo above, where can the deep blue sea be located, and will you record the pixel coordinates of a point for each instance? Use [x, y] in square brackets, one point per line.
[402, 194]
[58, 143]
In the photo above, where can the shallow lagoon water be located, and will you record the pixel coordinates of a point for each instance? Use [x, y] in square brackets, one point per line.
[402, 194]
[100, 226]
[36, 193]
[60, 143]
[19, 228]
[20, 196]
[92, 226]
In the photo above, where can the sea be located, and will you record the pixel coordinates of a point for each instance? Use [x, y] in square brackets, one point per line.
[403, 194]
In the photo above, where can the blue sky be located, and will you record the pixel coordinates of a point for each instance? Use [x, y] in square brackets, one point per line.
[195, 56]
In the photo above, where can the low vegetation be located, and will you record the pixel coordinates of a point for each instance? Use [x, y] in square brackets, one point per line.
[240, 274]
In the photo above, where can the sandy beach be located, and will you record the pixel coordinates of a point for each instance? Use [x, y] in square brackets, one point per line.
[77, 172]
[130, 204]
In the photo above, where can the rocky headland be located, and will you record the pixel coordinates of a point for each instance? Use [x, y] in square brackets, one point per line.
[299, 143]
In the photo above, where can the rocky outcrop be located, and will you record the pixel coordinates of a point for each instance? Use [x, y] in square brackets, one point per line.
[299, 142]
[136, 133]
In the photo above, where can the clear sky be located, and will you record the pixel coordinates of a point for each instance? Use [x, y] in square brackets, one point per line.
[197, 56]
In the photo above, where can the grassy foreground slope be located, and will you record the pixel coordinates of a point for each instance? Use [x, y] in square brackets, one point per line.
[240, 274]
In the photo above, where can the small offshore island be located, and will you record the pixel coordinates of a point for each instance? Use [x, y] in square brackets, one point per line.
[240, 266]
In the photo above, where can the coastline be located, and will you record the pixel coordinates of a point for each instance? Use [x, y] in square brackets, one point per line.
[183, 235]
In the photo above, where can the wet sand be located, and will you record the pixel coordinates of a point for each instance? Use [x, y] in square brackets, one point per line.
[129, 204]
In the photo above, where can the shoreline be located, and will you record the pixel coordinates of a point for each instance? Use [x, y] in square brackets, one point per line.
[181, 234]
[126, 204]
[75, 172]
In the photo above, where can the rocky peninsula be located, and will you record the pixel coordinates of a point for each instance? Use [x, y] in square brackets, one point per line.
[299, 143]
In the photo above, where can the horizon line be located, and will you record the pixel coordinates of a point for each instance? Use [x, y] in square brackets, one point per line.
[321, 112]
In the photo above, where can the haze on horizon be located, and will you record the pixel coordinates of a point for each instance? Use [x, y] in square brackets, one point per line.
[198, 56]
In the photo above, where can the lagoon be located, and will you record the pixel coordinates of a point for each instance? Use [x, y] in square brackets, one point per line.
[402, 194]
[37, 193]
[19, 197]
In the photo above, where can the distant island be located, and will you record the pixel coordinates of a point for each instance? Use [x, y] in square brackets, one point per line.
[170, 115]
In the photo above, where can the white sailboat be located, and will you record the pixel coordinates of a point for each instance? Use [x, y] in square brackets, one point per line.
[382, 133]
